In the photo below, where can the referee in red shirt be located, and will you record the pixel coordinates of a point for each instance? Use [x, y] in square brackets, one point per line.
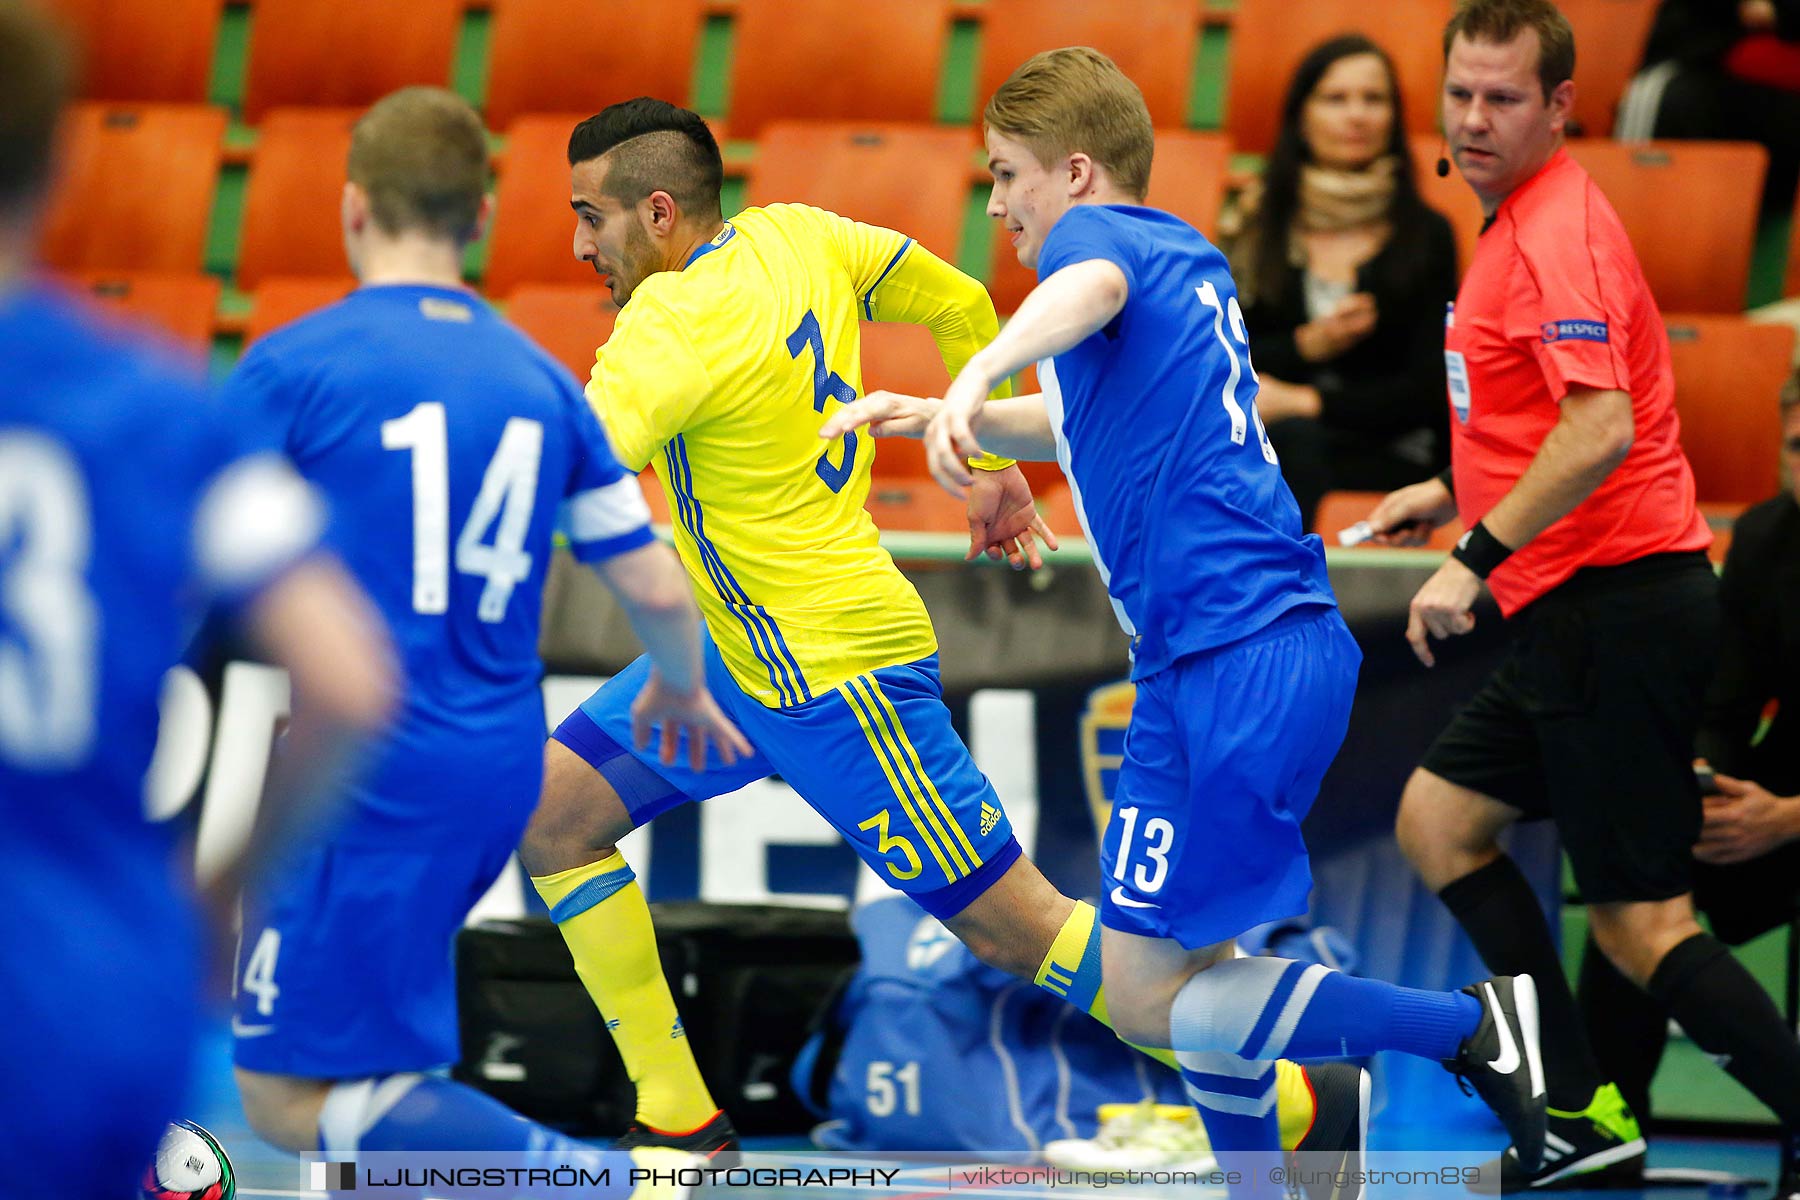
[1568, 473]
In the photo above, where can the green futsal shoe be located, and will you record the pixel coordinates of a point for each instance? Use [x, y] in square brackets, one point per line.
[1598, 1147]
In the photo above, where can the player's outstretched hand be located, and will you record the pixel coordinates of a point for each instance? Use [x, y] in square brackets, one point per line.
[1407, 517]
[1442, 608]
[1004, 520]
[694, 713]
[887, 414]
[950, 438]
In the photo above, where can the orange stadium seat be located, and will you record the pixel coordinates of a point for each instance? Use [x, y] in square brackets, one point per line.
[1728, 377]
[1340, 510]
[655, 497]
[570, 320]
[158, 50]
[1449, 195]
[904, 358]
[1008, 282]
[1609, 45]
[280, 299]
[1187, 178]
[136, 187]
[181, 305]
[1690, 208]
[915, 505]
[1679, 254]
[1153, 41]
[1270, 37]
[901, 358]
[914, 178]
[345, 52]
[291, 204]
[835, 60]
[540, 60]
[898, 357]
[533, 233]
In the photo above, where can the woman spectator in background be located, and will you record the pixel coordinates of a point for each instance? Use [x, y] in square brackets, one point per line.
[1343, 273]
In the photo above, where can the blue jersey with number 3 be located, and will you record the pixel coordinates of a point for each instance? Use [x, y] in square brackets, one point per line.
[1177, 487]
[126, 504]
[449, 446]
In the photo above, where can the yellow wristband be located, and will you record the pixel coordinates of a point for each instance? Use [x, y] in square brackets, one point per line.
[992, 462]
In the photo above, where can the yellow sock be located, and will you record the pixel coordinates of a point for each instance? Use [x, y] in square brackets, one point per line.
[1072, 971]
[602, 915]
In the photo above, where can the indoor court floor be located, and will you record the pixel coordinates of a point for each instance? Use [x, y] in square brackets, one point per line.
[264, 1172]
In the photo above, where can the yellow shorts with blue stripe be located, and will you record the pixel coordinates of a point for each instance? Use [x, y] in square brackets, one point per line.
[876, 757]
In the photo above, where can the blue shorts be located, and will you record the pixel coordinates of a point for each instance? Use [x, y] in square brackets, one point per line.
[100, 989]
[1223, 759]
[876, 757]
[345, 966]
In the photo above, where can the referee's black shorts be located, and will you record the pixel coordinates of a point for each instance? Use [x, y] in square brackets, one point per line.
[1590, 721]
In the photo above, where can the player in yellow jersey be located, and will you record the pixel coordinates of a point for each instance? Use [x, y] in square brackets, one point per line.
[736, 339]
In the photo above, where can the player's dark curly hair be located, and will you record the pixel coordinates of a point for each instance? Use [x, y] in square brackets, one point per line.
[655, 147]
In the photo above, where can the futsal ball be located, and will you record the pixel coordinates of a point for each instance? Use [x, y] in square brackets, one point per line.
[189, 1165]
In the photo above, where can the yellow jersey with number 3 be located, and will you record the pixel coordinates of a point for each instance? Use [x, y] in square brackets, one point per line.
[720, 375]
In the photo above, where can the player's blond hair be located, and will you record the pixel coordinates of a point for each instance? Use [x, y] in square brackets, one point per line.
[1077, 100]
[421, 155]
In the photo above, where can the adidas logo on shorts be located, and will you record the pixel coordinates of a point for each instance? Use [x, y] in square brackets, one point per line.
[990, 817]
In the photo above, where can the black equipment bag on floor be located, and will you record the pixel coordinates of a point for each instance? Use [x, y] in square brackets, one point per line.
[747, 979]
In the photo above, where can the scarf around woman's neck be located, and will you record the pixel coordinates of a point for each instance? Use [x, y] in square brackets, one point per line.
[1331, 200]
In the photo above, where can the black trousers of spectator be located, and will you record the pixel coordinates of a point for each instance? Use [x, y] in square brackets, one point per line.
[1316, 459]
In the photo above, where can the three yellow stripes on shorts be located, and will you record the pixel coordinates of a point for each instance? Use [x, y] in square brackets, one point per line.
[917, 794]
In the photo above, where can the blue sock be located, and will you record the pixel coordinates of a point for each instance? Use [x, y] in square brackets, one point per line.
[1267, 1008]
[1236, 1100]
[423, 1113]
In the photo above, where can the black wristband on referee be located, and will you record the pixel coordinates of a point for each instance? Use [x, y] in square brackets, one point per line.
[1447, 477]
[1480, 551]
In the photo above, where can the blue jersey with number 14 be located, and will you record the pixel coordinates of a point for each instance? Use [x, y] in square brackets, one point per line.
[1177, 487]
[448, 445]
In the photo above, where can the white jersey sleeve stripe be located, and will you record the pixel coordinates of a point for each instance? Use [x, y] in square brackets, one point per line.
[256, 517]
[1053, 406]
[604, 513]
